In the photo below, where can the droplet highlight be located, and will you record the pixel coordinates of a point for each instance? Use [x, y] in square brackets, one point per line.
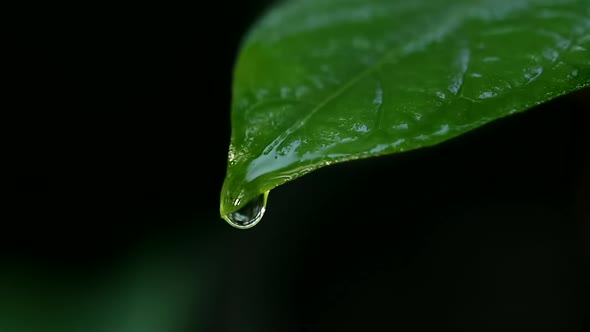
[249, 215]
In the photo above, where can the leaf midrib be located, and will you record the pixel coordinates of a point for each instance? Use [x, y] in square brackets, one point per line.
[387, 57]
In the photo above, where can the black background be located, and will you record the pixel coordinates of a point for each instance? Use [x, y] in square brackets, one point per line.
[122, 128]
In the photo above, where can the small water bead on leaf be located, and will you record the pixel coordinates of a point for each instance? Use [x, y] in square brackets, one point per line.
[250, 214]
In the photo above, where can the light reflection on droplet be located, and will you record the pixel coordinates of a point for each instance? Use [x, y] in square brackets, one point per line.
[249, 215]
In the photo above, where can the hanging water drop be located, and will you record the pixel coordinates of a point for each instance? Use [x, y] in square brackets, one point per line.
[249, 215]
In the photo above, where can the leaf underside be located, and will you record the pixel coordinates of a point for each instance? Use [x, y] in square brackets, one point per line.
[319, 82]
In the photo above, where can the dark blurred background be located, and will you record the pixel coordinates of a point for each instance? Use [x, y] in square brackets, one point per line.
[117, 153]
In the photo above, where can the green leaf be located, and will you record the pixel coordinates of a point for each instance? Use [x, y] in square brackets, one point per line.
[322, 82]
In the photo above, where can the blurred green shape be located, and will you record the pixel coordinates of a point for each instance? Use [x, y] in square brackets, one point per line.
[144, 293]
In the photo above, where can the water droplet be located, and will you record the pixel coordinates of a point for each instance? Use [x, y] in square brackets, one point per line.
[249, 215]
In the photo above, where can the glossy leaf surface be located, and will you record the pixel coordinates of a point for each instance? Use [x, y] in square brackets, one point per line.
[325, 81]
